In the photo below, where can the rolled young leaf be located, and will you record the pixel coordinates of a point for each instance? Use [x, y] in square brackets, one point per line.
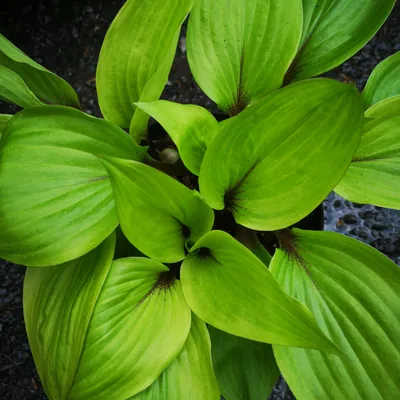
[276, 162]
[14, 90]
[354, 293]
[374, 174]
[384, 81]
[245, 369]
[134, 59]
[333, 31]
[99, 331]
[190, 127]
[56, 200]
[45, 85]
[157, 213]
[228, 287]
[190, 375]
[239, 51]
[4, 118]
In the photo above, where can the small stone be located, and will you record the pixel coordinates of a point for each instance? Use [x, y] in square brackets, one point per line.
[349, 219]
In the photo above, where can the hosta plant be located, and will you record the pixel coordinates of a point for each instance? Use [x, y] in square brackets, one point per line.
[176, 267]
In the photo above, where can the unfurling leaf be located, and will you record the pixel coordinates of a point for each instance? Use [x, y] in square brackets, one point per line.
[100, 330]
[136, 57]
[354, 294]
[157, 213]
[333, 31]
[228, 287]
[190, 375]
[275, 162]
[384, 81]
[374, 175]
[239, 51]
[245, 369]
[56, 201]
[39, 81]
[190, 127]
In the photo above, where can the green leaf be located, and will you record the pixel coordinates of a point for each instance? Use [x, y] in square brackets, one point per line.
[14, 90]
[190, 127]
[354, 293]
[45, 85]
[58, 305]
[374, 175]
[384, 81]
[228, 287]
[102, 331]
[190, 375]
[334, 30]
[136, 56]
[56, 200]
[157, 213]
[239, 51]
[244, 369]
[274, 170]
[4, 118]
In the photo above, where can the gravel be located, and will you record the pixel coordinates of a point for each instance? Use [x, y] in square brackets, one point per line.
[66, 36]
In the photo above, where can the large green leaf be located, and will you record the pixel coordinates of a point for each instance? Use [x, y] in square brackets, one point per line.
[14, 90]
[58, 305]
[334, 30]
[190, 127]
[354, 293]
[276, 161]
[136, 56]
[190, 375]
[239, 50]
[245, 369]
[4, 118]
[228, 287]
[157, 213]
[374, 175]
[45, 85]
[56, 200]
[102, 331]
[384, 81]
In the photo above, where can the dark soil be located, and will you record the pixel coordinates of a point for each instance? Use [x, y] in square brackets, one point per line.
[65, 36]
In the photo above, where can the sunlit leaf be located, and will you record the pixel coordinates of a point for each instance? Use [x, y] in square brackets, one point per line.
[239, 50]
[245, 369]
[228, 287]
[334, 30]
[157, 213]
[56, 200]
[14, 90]
[190, 127]
[354, 293]
[374, 175]
[136, 57]
[45, 85]
[384, 81]
[275, 162]
[190, 375]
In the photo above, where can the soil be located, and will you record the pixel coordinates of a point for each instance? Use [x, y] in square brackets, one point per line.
[65, 36]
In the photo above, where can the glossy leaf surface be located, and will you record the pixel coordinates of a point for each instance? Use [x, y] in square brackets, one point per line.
[334, 30]
[245, 369]
[157, 213]
[354, 293]
[384, 81]
[228, 287]
[374, 175]
[190, 375]
[190, 127]
[239, 51]
[45, 85]
[271, 170]
[136, 56]
[56, 200]
[14, 90]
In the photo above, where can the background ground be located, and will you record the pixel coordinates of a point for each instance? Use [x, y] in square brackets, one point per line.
[65, 36]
